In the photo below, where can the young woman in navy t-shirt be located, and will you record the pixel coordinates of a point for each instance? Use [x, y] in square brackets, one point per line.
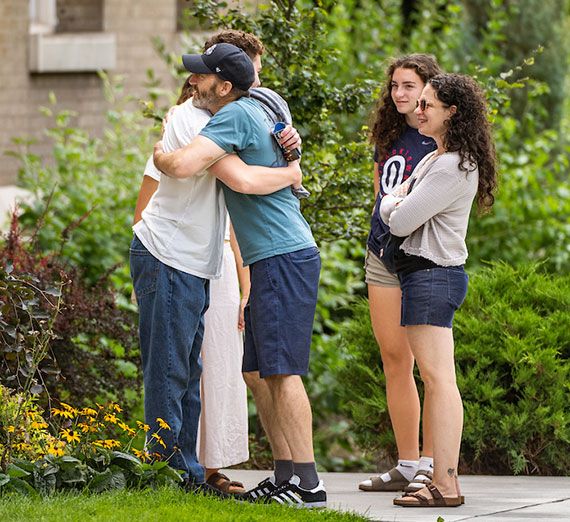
[398, 149]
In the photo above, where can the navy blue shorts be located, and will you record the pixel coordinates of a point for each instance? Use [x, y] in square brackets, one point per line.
[280, 313]
[432, 296]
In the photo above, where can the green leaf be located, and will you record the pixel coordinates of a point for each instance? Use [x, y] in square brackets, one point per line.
[171, 473]
[107, 480]
[4, 479]
[16, 472]
[100, 482]
[126, 461]
[21, 486]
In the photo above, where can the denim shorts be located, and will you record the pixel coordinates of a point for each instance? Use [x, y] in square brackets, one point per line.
[280, 313]
[432, 296]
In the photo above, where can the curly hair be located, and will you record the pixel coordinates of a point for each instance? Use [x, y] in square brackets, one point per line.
[388, 124]
[468, 131]
[248, 42]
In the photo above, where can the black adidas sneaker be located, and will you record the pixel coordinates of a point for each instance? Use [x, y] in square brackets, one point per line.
[290, 494]
[263, 490]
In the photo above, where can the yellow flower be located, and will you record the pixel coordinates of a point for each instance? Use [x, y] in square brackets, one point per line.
[70, 435]
[38, 425]
[62, 413]
[162, 424]
[111, 443]
[22, 446]
[143, 455]
[111, 417]
[159, 439]
[144, 427]
[56, 452]
[89, 411]
[115, 407]
[11, 429]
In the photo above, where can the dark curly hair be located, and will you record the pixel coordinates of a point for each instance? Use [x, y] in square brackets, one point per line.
[468, 131]
[248, 42]
[389, 124]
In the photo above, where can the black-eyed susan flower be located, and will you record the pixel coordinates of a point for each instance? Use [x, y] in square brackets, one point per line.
[62, 413]
[111, 417]
[70, 435]
[162, 424]
[159, 439]
[142, 426]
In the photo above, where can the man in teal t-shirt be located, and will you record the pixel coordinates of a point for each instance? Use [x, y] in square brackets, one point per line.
[276, 243]
[269, 225]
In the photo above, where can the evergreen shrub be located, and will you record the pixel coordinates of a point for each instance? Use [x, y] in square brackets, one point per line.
[512, 346]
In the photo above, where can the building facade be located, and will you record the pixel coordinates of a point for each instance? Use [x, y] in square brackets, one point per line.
[59, 45]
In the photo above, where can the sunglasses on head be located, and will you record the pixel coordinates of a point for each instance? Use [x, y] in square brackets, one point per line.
[423, 104]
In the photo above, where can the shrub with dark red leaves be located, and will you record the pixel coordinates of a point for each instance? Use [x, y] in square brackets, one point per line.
[63, 339]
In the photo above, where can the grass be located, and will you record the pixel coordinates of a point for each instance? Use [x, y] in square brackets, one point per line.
[139, 506]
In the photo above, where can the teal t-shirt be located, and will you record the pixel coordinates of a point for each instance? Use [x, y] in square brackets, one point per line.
[265, 226]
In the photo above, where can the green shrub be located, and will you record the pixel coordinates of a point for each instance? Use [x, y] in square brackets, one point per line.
[95, 182]
[512, 341]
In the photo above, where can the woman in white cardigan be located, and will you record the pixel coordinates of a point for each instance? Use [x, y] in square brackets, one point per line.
[433, 216]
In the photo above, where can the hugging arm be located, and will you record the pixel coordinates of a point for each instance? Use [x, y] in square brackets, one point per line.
[202, 153]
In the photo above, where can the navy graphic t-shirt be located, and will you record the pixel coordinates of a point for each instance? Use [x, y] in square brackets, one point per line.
[393, 169]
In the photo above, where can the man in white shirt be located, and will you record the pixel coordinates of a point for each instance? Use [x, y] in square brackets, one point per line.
[176, 250]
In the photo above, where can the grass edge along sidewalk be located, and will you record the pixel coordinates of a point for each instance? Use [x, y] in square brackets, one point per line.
[163, 504]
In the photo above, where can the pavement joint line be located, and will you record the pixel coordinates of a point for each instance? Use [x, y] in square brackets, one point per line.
[513, 509]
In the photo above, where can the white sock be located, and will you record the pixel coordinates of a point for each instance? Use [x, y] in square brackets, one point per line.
[407, 468]
[426, 463]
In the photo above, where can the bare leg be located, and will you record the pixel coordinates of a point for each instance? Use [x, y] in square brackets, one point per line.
[291, 404]
[433, 348]
[398, 361]
[267, 414]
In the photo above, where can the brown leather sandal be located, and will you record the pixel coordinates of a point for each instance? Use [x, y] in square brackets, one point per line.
[397, 482]
[421, 472]
[437, 500]
[223, 483]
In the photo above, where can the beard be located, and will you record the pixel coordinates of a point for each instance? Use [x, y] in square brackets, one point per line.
[204, 99]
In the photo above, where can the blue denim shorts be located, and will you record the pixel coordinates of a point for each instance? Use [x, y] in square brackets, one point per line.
[432, 296]
[280, 313]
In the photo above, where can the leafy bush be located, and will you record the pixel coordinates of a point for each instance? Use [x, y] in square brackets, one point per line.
[59, 335]
[94, 184]
[513, 366]
[82, 452]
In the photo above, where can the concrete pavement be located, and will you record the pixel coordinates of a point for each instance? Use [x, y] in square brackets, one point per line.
[487, 498]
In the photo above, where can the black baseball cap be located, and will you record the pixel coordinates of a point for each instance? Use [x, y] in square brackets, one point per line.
[229, 62]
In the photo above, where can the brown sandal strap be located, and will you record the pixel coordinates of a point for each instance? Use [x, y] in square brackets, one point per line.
[426, 473]
[421, 498]
[217, 479]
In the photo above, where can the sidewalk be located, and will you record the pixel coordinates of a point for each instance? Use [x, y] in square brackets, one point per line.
[487, 498]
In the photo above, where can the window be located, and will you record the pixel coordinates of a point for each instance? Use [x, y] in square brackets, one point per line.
[79, 16]
[67, 36]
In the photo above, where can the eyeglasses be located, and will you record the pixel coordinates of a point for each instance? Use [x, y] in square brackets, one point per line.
[423, 104]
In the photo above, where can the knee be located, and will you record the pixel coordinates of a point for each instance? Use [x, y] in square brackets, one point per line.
[397, 363]
[253, 381]
[436, 380]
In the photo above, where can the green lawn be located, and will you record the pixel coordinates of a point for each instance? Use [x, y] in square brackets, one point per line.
[137, 506]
